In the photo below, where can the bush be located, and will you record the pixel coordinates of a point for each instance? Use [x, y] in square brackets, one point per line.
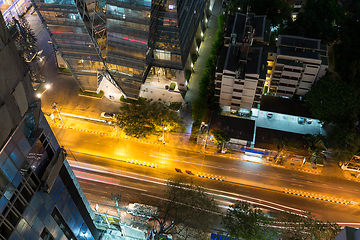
[175, 106]
[193, 58]
[128, 100]
[266, 89]
[187, 75]
[198, 42]
[64, 70]
[172, 86]
[92, 94]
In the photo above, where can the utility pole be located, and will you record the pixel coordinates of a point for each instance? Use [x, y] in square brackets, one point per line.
[116, 198]
[55, 106]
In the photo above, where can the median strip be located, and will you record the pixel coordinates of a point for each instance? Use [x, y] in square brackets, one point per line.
[209, 176]
[319, 197]
[141, 163]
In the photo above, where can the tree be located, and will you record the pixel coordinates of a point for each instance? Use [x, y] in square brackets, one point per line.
[305, 227]
[277, 11]
[187, 212]
[145, 117]
[220, 137]
[315, 145]
[27, 42]
[333, 101]
[245, 221]
[318, 20]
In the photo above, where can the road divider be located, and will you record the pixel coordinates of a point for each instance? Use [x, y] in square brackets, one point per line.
[319, 197]
[141, 163]
[210, 176]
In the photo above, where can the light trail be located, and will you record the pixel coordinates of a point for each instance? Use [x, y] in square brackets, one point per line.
[212, 192]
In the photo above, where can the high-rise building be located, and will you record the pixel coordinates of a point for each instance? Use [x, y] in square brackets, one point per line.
[40, 197]
[122, 40]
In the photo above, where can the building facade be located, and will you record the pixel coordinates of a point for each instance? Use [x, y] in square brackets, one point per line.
[241, 69]
[40, 197]
[296, 65]
[121, 41]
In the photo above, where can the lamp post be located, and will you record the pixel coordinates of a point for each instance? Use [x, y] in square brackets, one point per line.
[163, 138]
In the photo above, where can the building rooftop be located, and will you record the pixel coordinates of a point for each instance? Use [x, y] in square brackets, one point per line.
[222, 59]
[239, 26]
[295, 41]
[232, 58]
[258, 23]
[253, 64]
[302, 54]
[238, 128]
[284, 106]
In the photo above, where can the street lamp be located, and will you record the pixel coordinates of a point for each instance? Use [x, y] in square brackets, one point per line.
[163, 138]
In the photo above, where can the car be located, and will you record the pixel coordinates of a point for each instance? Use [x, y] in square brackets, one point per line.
[178, 170]
[301, 120]
[269, 115]
[189, 172]
[108, 115]
[309, 121]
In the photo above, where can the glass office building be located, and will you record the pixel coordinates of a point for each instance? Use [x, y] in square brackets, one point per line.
[121, 40]
[40, 197]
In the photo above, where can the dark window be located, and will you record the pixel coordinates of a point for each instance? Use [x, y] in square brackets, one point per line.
[239, 98]
[46, 235]
[238, 90]
[218, 85]
[235, 104]
[62, 224]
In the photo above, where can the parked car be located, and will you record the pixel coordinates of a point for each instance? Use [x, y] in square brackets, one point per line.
[309, 121]
[269, 115]
[108, 115]
[301, 120]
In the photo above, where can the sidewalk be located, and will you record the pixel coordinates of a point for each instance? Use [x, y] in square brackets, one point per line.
[204, 53]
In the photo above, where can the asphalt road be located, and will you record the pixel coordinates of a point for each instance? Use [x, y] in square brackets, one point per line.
[99, 182]
[250, 179]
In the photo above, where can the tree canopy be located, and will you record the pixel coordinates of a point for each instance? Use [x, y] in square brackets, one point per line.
[305, 227]
[318, 20]
[145, 117]
[245, 221]
[333, 101]
[220, 137]
[186, 212]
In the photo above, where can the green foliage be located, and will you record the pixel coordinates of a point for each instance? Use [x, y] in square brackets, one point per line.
[92, 94]
[128, 100]
[172, 86]
[175, 106]
[220, 137]
[206, 99]
[194, 58]
[266, 89]
[305, 227]
[278, 11]
[316, 146]
[26, 42]
[344, 141]
[333, 101]
[64, 70]
[318, 20]
[198, 42]
[187, 75]
[187, 213]
[145, 117]
[244, 221]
